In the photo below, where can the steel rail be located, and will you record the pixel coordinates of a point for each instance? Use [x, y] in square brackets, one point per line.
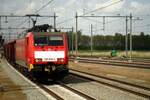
[54, 95]
[140, 60]
[76, 91]
[57, 97]
[112, 62]
[112, 83]
[51, 93]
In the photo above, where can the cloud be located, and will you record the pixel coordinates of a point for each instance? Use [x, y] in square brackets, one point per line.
[138, 7]
[70, 2]
[112, 8]
[29, 8]
[135, 6]
[60, 11]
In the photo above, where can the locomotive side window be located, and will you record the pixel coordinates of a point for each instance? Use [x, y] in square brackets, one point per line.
[55, 40]
[41, 41]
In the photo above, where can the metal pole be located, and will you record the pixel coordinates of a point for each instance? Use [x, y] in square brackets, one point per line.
[126, 38]
[91, 39]
[9, 34]
[54, 21]
[0, 22]
[72, 40]
[29, 21]
[130, 36]
[76, 38]
[104, 24]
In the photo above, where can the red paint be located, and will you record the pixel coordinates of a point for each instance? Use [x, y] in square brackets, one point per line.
[22, 50]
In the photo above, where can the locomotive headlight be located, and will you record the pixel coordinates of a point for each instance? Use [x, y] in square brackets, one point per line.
[38, 59]
[60, 59]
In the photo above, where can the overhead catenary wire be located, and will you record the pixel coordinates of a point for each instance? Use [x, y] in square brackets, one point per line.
[92, 20]
[69, 19]
[36, 12]
[44, 6]
[147, 25]
[111, 21]
[64, 21]
[23, 22]
[142, 15]
[95, 10]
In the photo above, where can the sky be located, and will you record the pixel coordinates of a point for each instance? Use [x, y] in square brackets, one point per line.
[66, 9]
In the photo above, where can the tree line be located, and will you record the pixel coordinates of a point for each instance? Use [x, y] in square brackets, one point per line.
[109, 42]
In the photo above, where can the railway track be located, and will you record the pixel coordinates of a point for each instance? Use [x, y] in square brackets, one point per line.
[128, 87]
[144, 60]
[136, 64]
[76, 91]
[58, 96]
[122, 85]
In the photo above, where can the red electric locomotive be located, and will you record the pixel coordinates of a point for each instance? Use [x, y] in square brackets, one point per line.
[42, 53]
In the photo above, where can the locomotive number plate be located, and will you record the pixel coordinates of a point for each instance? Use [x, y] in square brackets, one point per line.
[50, 59]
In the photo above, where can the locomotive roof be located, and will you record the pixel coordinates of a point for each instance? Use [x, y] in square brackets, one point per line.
[48, 33]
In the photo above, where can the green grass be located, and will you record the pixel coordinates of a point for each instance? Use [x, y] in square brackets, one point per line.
[135, 54]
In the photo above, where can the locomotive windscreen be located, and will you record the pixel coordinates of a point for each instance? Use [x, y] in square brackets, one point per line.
[52, 40]
[56, 40]
[40, 41]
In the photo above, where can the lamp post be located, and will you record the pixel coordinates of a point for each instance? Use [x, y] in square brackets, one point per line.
[91, 39]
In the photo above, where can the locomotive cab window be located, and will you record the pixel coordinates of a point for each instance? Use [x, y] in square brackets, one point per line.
[55, 40]
[40, 40]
